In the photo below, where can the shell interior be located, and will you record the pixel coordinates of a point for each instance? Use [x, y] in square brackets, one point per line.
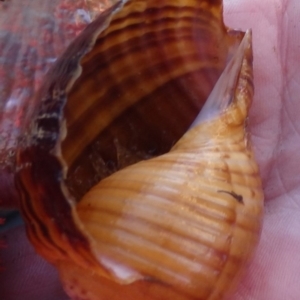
[141, 84]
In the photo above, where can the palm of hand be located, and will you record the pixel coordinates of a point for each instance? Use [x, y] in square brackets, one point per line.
[275, 130]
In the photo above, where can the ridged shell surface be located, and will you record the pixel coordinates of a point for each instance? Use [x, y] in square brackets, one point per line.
[187, 220]
[179, 225]
[155, 59]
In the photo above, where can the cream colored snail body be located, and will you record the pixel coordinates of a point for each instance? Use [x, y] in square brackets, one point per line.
[172, 217]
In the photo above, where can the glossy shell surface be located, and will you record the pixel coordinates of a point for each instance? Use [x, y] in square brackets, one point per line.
[126, 90]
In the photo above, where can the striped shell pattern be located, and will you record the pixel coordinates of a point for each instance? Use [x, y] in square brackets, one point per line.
[137, 176]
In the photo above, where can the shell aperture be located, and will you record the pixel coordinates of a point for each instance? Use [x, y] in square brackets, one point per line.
[180, 225]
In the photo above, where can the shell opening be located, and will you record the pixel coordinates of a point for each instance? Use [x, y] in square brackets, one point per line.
[127, 90]
[143, 81]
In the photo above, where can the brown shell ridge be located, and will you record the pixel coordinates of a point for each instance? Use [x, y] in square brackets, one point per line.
[52, 237]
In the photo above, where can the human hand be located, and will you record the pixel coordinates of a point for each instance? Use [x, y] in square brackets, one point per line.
[275, 128]
[275, 270]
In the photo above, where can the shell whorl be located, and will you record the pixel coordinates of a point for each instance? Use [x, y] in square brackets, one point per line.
[180, 225]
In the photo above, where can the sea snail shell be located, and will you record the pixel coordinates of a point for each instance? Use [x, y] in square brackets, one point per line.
[180, 225]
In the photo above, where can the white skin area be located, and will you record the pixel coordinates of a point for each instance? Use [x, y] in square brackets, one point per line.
[275, 128]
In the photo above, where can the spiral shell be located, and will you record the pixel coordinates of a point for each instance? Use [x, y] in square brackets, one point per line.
[173, 216]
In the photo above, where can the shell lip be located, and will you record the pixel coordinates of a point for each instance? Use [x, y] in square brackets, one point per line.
[226, 91]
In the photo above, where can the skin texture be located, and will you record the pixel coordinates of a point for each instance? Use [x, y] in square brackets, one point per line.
[275, 128]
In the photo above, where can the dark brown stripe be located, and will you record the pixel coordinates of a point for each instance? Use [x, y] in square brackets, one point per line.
[34, 225]
[41, 183]
[149, 42]
[162, 12]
